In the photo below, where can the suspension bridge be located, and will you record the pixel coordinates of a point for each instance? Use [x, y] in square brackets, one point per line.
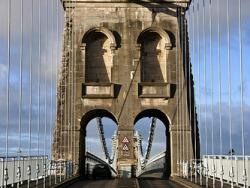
[69, 65]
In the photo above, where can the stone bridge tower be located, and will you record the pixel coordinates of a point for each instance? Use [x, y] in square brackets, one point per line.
[124, 60]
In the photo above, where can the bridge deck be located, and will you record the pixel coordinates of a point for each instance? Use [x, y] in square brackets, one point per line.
[154, 179]
[127, 183]
[92, 184]
[158, 183]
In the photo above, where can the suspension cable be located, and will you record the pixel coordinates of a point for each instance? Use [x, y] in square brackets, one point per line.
[194, 102]
[30, 95]
[61, 89]
[45, 104]
[19, 175]
[51, 88]
[103, 140]
[184, 92]
[211, 85]
[183, 97]
[188, 102]
[189, 93]
[65, 88]
[244, 175]
[179, 97]
[185, 62]
[181, 71]
[185, 102]
[61, 85]
[150, 139]
[229, 91]
[68, 90]
[199, 76]
[5, 179]
[65, 83]
[8, 83]
[177, 83]
[62, 97]
[181, 87]
[56, 91]
[205, 91]
[20, 79]
[39, 91]
[219, 76]
[180, 80]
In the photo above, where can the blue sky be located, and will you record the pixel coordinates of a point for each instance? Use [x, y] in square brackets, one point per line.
[49, 42]
[47, 68]
[195, 21]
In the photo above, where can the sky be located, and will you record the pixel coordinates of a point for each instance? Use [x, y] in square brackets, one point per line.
[51, 33]
[49, 55]
[206, 58]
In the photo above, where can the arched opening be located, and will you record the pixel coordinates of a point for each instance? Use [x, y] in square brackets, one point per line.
[155, 44]
[158, 162]
[98, 57]
[153, 60]
[90, 140]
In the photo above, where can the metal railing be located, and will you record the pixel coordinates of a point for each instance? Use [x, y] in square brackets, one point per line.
[233, 170]
[31, 168]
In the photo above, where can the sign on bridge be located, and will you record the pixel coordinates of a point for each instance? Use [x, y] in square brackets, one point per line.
[125, 147]
[125, 140]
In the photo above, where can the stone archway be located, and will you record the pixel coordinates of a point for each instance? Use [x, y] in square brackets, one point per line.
[86, 118]
[165, 120]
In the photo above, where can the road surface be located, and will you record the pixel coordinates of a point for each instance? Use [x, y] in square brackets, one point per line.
[94, 184]
[126, 183]
[157, 183]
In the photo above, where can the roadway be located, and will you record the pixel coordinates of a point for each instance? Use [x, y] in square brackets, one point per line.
[126, 183]
[154, 179]
[158, 183]
[148, 180]
[94, 184]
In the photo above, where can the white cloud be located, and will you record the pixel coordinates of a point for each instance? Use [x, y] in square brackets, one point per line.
[3, 73]
[46, 56]
[235, 133]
